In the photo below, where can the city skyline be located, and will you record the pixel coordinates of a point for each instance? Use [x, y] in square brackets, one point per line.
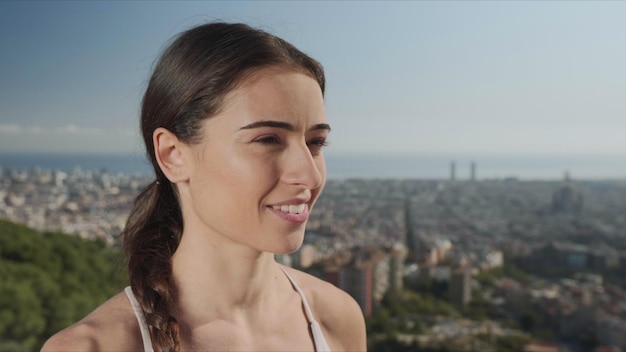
[513, 78]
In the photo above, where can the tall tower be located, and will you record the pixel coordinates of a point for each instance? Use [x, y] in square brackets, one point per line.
[452, 171]
[396, 274]
[460, 289]
[473, 171]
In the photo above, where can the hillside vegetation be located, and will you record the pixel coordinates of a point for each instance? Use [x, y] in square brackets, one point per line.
[49, 281]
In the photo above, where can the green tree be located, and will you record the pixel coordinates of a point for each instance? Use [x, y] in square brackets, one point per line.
[49, 281]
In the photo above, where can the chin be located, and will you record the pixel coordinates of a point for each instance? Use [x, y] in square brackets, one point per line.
[290, 244]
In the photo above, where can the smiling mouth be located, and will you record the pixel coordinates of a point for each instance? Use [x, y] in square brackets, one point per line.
[290, 209]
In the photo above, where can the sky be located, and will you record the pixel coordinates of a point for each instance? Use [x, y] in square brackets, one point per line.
[467, 77]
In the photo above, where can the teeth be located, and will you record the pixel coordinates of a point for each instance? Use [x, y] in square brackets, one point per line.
[293, 209]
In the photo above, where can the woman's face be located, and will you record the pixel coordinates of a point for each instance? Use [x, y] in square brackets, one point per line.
[260, 168]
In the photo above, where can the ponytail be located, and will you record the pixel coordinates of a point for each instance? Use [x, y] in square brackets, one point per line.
[151, 236]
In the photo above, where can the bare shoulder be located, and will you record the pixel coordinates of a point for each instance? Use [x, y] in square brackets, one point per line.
[336, 311]
[111, 326]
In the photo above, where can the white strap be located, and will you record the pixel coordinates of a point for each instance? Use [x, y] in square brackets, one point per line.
[141, 319]
[318, 337]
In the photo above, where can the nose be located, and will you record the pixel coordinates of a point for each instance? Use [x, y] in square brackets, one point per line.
[303, 168]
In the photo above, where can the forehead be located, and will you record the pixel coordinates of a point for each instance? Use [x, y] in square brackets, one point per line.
[275, 93]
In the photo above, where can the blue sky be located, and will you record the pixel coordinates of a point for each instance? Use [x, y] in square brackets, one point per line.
[403, 77]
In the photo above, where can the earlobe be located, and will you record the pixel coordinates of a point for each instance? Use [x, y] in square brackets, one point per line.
[169, 154]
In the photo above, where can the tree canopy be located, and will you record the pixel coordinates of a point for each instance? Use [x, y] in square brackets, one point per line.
[49, 281]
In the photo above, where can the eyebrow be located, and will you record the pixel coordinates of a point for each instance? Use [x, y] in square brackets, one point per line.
[284, 125]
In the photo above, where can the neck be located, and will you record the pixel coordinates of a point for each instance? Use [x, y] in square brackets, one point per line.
[220, 281]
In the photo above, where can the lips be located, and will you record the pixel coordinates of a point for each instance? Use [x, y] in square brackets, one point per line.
[293, 213]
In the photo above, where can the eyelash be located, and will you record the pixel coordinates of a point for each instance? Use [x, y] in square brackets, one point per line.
[319, 142]
[268, 140]
[273, 140]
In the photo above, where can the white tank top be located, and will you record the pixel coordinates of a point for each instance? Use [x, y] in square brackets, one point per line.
[318, 337]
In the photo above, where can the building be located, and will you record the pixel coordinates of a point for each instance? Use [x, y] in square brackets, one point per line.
[369, 275]
[566, 200]
[452, 171]
[396, 272]
[357, 281]
[460, 286]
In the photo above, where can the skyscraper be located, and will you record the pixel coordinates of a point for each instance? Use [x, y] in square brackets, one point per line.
[452, 171]
[460, 286]
[473, 171]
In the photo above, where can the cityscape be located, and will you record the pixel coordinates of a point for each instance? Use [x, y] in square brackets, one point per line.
[476, 193]
[559, 248]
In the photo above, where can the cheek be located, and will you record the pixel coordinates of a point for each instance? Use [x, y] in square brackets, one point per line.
[252, 172]
[234, 180]
[222, 196]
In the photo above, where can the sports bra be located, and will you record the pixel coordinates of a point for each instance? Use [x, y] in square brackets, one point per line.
[318, 337]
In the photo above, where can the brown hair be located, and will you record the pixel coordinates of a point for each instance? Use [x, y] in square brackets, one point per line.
[188, 85]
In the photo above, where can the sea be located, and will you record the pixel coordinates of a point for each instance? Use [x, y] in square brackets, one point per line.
[416, 166]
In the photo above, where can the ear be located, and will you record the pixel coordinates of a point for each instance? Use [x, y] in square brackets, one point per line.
[170, 154]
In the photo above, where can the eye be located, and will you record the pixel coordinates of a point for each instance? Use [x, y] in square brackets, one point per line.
[268, 140]
[316, 145]
[318, 142]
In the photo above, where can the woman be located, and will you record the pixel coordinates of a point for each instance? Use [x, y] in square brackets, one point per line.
[234, 124]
